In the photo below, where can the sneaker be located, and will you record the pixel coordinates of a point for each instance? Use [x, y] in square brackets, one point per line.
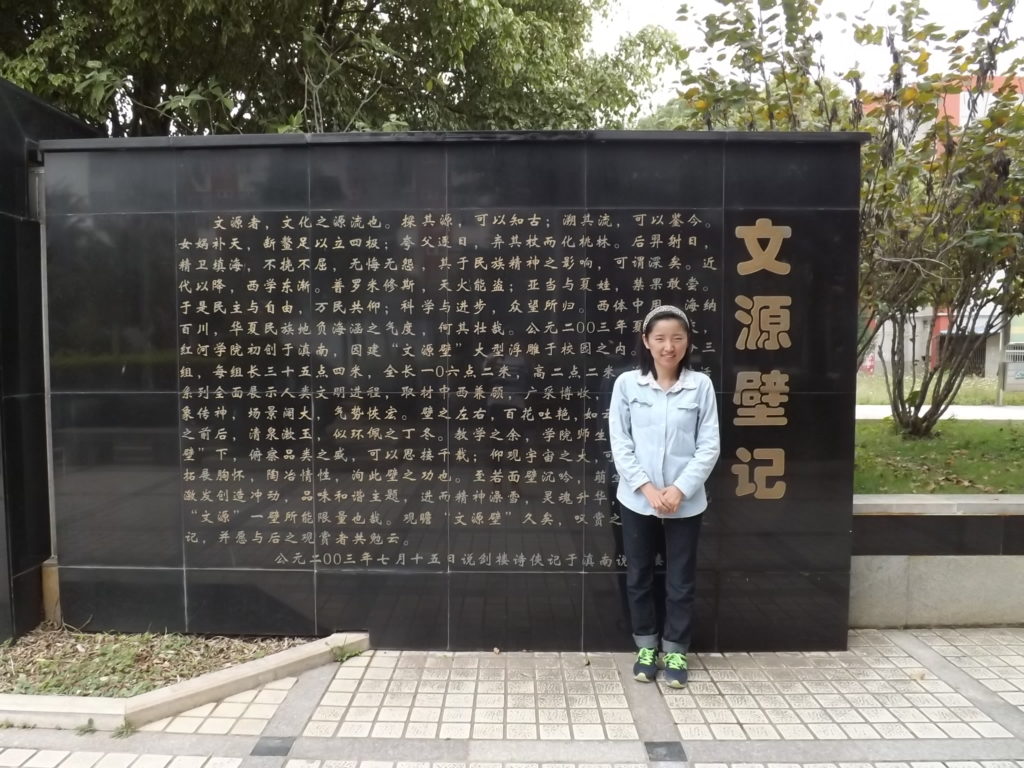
[676, 673]
[645, 668]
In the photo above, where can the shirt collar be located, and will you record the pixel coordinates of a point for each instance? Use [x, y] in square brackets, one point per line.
[684, 382]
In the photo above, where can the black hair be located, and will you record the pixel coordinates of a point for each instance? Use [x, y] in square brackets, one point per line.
[644, 354]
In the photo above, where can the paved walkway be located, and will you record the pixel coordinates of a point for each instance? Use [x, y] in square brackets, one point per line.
[916, 699]
[962, 412]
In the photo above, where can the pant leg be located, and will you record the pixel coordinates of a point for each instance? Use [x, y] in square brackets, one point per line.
[681, 537]
[640, 535]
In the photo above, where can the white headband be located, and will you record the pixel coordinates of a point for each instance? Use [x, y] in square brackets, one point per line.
[665, 309]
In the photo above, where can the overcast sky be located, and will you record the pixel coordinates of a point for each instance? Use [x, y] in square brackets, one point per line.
[842, 53]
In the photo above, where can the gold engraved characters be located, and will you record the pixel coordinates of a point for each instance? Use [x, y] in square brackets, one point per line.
[769, 464]
[760, 398]
[765, 322]
[763, 257]
[764, 326]
[414, 388]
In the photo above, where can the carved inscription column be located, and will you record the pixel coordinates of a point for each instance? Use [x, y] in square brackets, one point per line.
[246, 409]
[381, 389]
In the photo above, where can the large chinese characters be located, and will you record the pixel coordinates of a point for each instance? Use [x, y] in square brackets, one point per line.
[760, 396]
[417, 389]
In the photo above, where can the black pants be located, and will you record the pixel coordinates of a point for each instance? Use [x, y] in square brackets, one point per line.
[641, 535]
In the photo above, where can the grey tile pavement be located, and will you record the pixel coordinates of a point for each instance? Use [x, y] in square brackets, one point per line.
[942, 698]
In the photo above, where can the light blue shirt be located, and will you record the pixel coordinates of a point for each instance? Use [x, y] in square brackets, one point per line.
[663, 437]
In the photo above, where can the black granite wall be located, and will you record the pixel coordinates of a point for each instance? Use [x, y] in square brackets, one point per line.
[24, 494]
[302, 384]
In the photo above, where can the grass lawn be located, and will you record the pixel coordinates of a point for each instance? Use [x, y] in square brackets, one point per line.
[976, 390]
[962, 457]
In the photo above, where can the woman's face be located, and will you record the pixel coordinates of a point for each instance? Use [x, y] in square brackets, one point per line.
[667, 339]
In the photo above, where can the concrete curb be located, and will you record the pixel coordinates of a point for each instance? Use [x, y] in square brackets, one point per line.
[938, 504]
[109, 714]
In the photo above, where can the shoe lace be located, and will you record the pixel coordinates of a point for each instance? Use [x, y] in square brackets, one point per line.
[675, 661]
[645, 656]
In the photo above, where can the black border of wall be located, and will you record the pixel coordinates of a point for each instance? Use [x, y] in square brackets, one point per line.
[24, 487]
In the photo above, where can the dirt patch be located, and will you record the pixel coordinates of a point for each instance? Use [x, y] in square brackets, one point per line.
[60, 660]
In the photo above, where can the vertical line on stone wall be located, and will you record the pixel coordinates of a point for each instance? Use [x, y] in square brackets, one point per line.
[177, 416]
[51, 495]
[583, 421]
[312, 414]
[721, 373]
[448, 441]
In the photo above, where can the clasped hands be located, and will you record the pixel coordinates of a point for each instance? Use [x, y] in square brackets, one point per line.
[665, 501]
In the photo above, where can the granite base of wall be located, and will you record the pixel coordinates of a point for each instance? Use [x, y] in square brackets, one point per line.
[919, 561]
[937, 560]
[924, 591]
[886, 591]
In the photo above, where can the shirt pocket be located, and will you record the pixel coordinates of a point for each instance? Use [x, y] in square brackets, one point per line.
[641, 412]
[684, 418]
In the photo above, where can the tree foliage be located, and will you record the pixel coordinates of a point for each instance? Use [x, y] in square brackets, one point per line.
[200, 66]
[941, 223]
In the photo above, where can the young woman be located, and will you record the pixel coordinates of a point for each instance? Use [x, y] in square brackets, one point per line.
[663, 427]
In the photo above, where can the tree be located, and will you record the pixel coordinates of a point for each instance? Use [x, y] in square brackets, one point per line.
[941, 223]
[212, 66]
[675, 114]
